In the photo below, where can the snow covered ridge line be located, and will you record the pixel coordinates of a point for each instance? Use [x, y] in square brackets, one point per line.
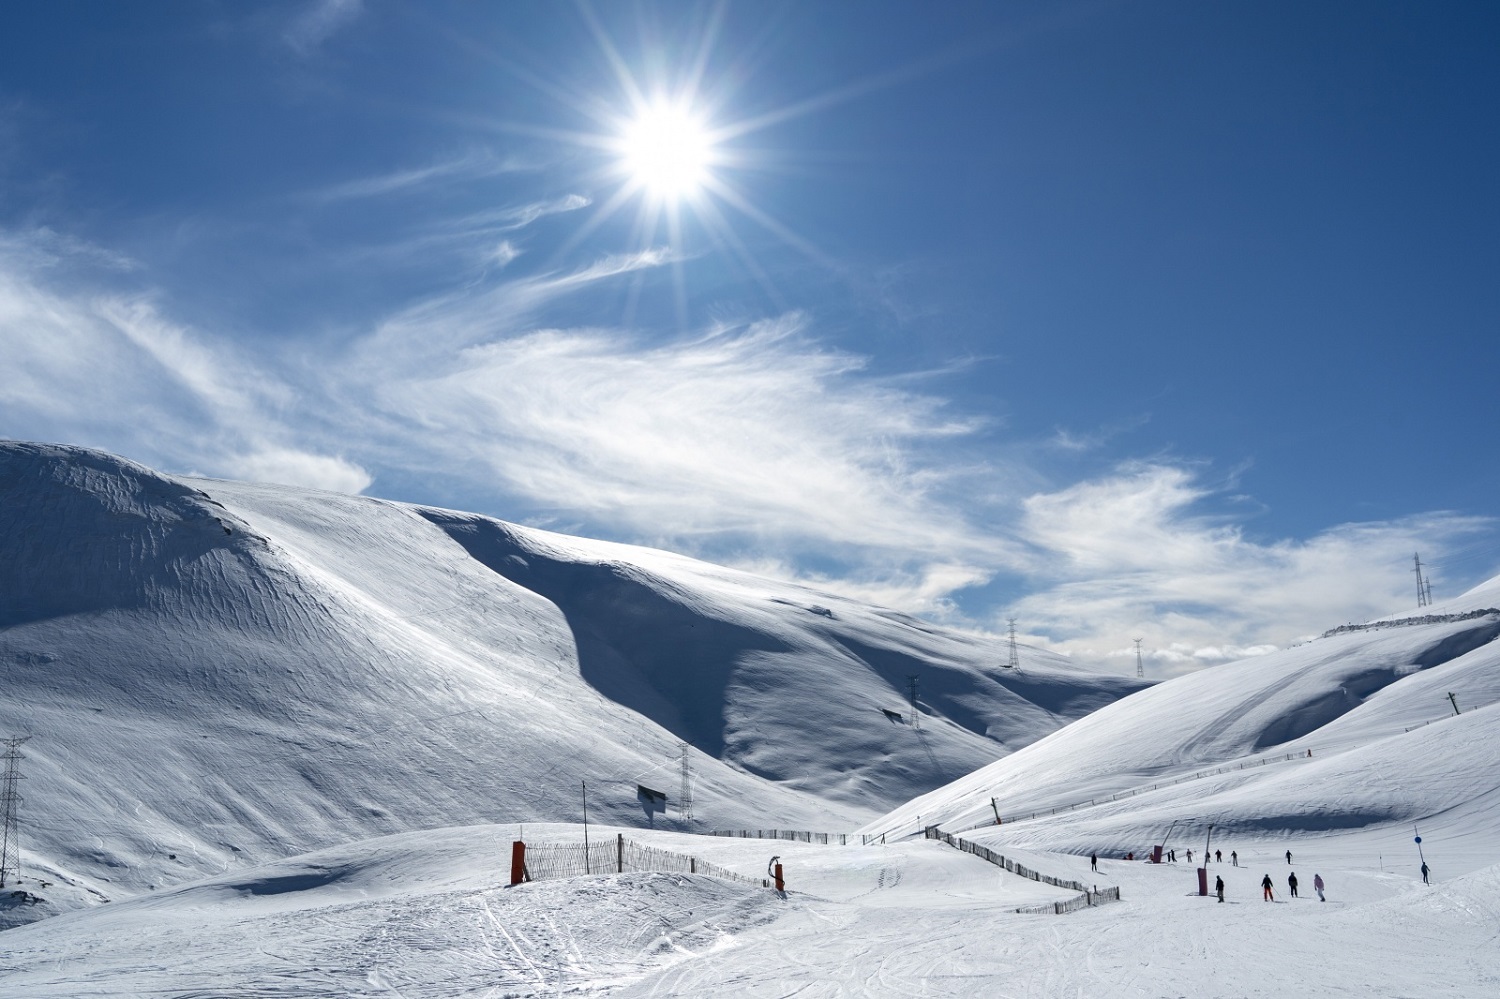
[1406, 622]
[1087, 897]
[546, 861]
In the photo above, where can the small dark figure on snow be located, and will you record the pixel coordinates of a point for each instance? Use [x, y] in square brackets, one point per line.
[1190, 856]
[1234, 857]
[1219, 887]
[1291, 882]
[1093, 861]
[1218, 856]
[1289, 856]
[1172, 856]
[1425, 873]
[1265, 885]
[1318, 887]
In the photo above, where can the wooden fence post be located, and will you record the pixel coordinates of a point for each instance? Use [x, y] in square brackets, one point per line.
[620, 854]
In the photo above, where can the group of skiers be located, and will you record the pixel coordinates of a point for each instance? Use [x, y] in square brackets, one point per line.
[1291, 883]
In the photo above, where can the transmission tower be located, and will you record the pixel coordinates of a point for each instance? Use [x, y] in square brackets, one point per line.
[911, 692]
[685, 802]
[10, 799]
[1015, 655]
[1140, 666]
[1422, 598]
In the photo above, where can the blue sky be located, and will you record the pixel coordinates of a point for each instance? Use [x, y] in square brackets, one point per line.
[1169, 320]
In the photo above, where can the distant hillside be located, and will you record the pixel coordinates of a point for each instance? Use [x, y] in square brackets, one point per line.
[216, 673]
[1364, 712]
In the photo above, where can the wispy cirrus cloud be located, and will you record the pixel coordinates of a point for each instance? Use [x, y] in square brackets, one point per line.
[318, 21]
[472, 165]
[88, 362]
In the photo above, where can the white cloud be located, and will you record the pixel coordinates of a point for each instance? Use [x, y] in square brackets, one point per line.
[318, 22]
[1129, 555]
[745, 431]
[299, 468]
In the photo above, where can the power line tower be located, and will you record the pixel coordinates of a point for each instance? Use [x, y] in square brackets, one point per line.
[10, 799]
[1422, 597]
[1015, 655]
[1140, 666]
[685, 802]
[911, 693]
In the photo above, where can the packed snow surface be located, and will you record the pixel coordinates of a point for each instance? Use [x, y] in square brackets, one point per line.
[427, 916]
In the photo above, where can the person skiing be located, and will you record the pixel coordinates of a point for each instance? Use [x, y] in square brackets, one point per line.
[1190, 856]
[1265, 884]
[1234, 857]
[1425, 873]
[1172, 856]
[1289, 856]
[1218, 856]
[1094, 861]
[1219, 887]
[1291, 882]
[1318, 887]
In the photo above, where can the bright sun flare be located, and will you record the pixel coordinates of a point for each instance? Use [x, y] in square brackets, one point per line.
[667, 151]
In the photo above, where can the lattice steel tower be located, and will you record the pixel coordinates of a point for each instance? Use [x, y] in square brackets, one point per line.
[1423, 596]
[685, 803]
[1140, 666]
[10, 800]
[1015, 654]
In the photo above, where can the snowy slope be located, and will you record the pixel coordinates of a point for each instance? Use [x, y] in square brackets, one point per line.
[1340, 706]
[217, 674]
[424, 916]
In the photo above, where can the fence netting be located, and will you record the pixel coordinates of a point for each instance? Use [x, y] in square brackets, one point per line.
[619, 855]
[794, 835]
[1088, 897]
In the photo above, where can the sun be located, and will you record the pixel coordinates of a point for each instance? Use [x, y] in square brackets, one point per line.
[667, 150]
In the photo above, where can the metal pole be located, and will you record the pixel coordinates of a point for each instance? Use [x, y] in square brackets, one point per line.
[585, 786]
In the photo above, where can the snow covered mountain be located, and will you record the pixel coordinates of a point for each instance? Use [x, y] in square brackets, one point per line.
[215, 674]
[1354, 730]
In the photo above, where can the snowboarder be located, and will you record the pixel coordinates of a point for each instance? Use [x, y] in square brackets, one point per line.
[1218, 856]
[1094, 861]
[1424, 873]
[1318, 887]
[1234, 857]
[1190, 856]
[1289, 856]
[1291, 882]
[1219, 887]
[1172, 856]
[1265, 884]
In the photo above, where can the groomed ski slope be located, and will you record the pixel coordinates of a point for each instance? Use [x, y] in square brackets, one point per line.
[425, 916]
[217, 674]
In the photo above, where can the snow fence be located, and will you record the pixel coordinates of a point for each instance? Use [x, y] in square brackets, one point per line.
[794, 835]
[545, 861]
[1088, 896]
